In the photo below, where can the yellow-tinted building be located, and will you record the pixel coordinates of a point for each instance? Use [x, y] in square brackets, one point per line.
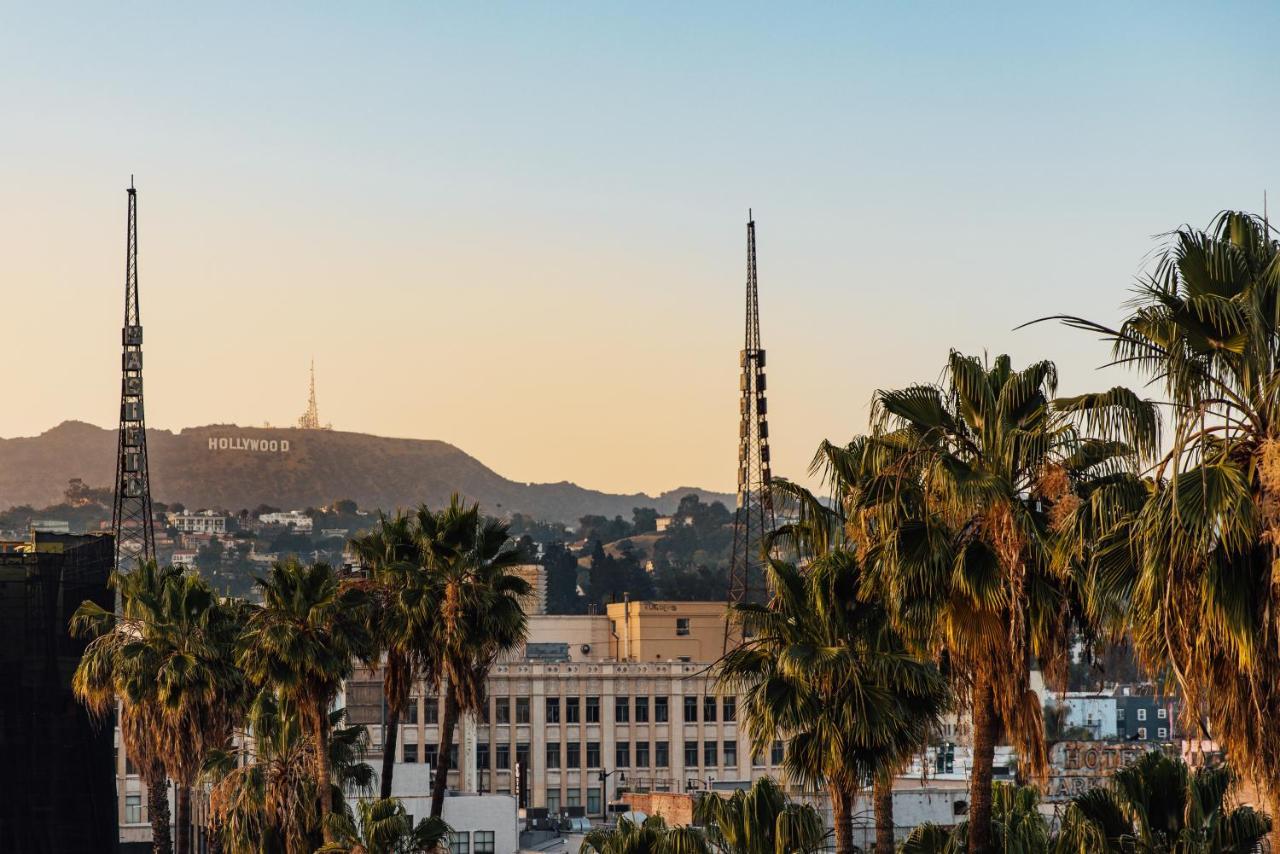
[667, 631]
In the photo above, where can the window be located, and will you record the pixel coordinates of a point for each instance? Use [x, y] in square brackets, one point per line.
[522, 716]
[522, 754]
[553, 710]
[691, 754]
[1162, 713]
[574, 799]
[573, 755]
[411, 711]
[1120, 713]
[502, 710]
[730, 753]
[730, 709]
[593, 754]
[431, 754]
[1162, 733]
[690, 710]
[682, 627]
[571, 705]
[453, 755]
[642, 754]
[660, 710]
[553, 754]
[776, 754]
[708, 709]
[593, 710]
[642, 710]
[621, 709]
[710, 754]
[1142, 733]
[503, 756]
[482, 755]
[459, 842]
[410, 753]
[431, 710]
[483, 842]
[1142, 714]
[622, 754]
[593, 801]
[133, 809]
[130, 769]
[661, 754]
[484, 711]
[553, 801]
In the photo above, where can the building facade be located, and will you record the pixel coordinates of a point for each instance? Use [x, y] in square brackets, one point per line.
[202, 522]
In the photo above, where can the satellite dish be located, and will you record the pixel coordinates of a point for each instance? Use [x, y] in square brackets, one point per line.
[585, 648]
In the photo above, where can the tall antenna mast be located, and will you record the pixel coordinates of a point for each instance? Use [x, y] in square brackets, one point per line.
[310, 419]
[754, 517]
[131, 520]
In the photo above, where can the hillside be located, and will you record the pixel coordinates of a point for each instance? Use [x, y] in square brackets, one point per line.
[235, 467]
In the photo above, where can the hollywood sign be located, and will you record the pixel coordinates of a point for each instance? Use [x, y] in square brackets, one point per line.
[246, 443]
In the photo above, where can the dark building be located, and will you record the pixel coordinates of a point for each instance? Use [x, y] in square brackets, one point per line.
[1144, 716]
[59, 778]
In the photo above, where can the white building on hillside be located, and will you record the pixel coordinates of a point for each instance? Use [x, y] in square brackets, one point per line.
[295, 519]
[202, 522]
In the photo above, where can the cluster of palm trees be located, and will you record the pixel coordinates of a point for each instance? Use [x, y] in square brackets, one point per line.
[241, 695]
[985, 525]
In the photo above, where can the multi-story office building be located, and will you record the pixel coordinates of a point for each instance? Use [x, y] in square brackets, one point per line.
[202, 522]
[591, 707]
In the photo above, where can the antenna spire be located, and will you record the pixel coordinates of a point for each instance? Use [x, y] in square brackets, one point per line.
[310, 419]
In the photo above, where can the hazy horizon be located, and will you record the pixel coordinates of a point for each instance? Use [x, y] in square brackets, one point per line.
[521, 230]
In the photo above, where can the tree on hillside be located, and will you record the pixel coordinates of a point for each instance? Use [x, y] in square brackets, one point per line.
[644, 520]
[603, 529]
[562, 580]
[611, 577]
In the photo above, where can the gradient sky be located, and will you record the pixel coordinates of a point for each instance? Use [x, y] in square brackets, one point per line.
[520, 228]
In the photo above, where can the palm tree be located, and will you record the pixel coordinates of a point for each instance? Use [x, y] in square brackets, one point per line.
[385, 827]
[403, 610]
[1199, 579]
[1017, 827]
[117, 668]
[300, 643]
[479, 618]
[264, 795]
[1160, 806]
[650, 836]
[822, 667]
[760, 820]
[956, 495]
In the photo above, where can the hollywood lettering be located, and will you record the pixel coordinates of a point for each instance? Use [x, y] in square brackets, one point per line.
[248, 443]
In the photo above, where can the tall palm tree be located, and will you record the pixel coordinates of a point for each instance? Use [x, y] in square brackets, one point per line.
[1160, 806]
[822, 667]
[650, 836]
[117, 669]
[955, 495]
[403, 610]
[385, 827]
[1199, 579]
[300, 643]
[479, 618]
[761, 820]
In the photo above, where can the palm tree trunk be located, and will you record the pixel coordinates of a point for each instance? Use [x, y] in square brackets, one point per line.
[158, 811]
[884, 814]
[390, 736]
[182, 795]
[443, 763]
[842, 818]
[1274, 840]
[324, 784]
[984, 748]
[214, 832]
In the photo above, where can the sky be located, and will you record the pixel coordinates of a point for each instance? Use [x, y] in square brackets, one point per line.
[520, 228]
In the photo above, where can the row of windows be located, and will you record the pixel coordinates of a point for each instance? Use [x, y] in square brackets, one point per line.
[641, 754]
[624, 711]
[479, 842]
[573, 798]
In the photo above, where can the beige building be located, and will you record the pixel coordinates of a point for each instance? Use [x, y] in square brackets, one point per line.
[593, 706]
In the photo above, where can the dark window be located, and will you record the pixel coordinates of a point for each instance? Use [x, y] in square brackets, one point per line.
[431, 710]
[642, 754]
[691, 754]
[621, 709]
[593, 710]
[484, 712]
[730, 709]
[571, 706]
[503, 755]
[431, 754]
[642, 710]
[522, 754]
[730, 753]
[483, 842]
[661, 754]
[411, 711]
[482, 755]
[411, 753]
[453, 756]
[553, 754]
[777, 753]
[710, 754]
[682, 627]
[709, 709]
[573, 755]
[522, 710]
[593, 801]
[553, 710]
[459, 842]
[690, 710]
[593, 754]
[622, 754]
[502, 710]
[660, 710]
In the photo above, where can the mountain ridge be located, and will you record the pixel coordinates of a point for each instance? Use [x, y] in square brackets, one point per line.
[232, 467]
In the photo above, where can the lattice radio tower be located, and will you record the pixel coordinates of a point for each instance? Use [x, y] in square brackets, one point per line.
[131, 518]
[754, 517]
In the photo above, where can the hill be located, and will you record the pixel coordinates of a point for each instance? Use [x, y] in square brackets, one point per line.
[232, 467]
